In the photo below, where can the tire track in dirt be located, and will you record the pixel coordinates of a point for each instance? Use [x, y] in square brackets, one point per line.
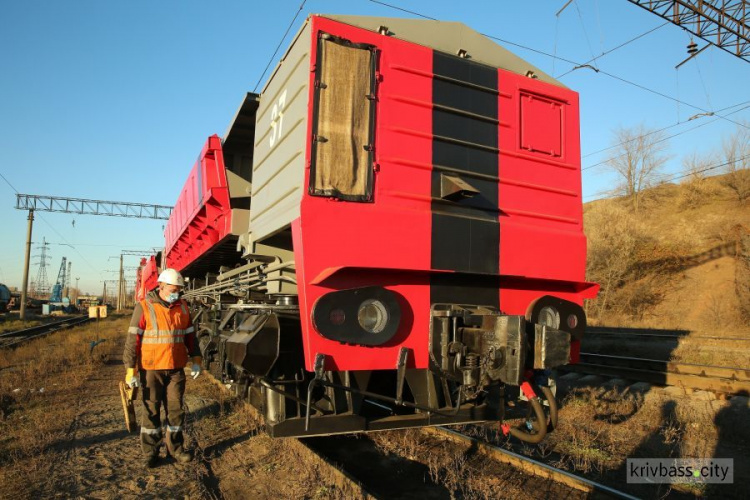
[100, 459]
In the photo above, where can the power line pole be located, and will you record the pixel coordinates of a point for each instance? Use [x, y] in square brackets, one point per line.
[25, 284]
[115, 283]
[120, 293]
[121, 284]
[41, 285]
[32, 202]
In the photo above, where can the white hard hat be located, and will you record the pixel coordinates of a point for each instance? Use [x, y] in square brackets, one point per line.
[171, 277]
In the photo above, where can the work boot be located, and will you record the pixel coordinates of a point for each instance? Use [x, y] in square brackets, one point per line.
[182, 456]
[152, 460]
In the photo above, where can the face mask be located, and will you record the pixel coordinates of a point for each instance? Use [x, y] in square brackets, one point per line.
[173, 297]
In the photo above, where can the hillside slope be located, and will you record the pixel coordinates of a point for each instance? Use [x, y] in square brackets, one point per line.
[680, 262]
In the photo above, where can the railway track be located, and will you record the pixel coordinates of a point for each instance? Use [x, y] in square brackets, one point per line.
[529, 465]
[17, 337]
[657, 334]
[357, 459]
[718, 379]
[372, 473]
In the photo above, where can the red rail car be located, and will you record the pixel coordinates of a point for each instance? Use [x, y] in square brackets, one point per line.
[210, 214]
[407, 247]
[146, 276]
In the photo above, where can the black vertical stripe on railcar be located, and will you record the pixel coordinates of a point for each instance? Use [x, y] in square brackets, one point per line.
[465, 232]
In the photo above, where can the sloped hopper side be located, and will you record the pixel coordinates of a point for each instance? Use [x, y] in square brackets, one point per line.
[255, 344]
[213, 208]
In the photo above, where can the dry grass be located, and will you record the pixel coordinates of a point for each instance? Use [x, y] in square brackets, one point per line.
[39, 384]
[707, 352]
[10, 323]
[600, 428]
[596, 426]
[231, 444]
[650, 266]
[447, 465]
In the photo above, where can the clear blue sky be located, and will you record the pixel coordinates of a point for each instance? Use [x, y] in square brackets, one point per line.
[113, 100]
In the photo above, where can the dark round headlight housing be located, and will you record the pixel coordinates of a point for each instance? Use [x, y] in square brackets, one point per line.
[557, 313]
[366, 316]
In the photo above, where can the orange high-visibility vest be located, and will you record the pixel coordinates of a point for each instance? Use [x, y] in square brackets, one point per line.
[163, 343]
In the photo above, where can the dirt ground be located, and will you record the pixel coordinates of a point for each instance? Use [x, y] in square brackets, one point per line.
[604, 424]
[63, 434]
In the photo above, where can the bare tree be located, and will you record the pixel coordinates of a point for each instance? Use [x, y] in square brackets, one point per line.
[638, 158]
[736, 149]
[696, 167]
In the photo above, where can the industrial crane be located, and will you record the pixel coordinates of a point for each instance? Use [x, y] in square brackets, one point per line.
[57, 289]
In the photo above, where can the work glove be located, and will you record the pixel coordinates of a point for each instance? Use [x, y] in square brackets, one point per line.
[131, 379]
[196, 369]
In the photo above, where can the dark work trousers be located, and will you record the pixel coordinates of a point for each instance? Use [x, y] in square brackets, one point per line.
[162, 388]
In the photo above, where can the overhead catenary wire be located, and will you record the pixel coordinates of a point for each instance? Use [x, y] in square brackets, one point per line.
[664, 128]
[403, 10]
[8, 183]
[123, 246]
[69, 244]
[703, 83]
[677, 176]
[599, 25]
[273, 56]
[574, 63]
[656, 92]
[55, 230]
[585, 33]
[623, 44]
[602, 162]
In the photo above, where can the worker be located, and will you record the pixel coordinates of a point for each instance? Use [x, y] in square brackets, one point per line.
[161, 340]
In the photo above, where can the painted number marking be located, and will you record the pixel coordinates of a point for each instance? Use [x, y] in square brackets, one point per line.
[277, 118]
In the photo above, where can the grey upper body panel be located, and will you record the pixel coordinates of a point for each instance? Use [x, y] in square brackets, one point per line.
[448, 37]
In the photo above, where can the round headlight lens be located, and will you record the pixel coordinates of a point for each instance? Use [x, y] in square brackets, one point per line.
[372, 316]
[550, 317]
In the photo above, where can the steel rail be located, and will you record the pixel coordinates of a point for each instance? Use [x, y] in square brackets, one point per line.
[710, 371]
[665, 378]
[656, 333]
[38, 328]
[529, 465]
[9, 339]
[524, 464]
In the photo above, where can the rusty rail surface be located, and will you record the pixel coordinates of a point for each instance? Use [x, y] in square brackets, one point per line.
[530, 465]
[720, 379]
